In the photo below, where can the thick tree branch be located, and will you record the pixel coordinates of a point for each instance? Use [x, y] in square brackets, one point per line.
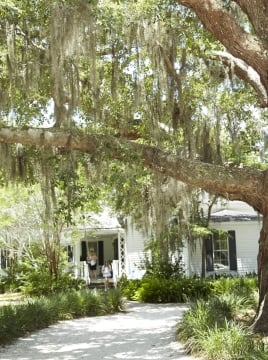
[243, 184]
[179, 111]
[257, 13]
[237, 41]
[244, 72]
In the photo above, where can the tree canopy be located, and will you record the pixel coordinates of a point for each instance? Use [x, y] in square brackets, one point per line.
[101, 73]
[143, 82]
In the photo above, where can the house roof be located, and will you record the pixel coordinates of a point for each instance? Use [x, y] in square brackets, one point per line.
[102, 221]
[235, 211]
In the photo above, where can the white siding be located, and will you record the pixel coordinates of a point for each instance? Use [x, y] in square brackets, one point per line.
[192, 258]
[135, 242]
[247, 236]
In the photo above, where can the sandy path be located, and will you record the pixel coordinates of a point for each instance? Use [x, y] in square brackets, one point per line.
[144, 331]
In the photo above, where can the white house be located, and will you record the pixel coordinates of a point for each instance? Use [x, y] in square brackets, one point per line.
[237, 253]
[123, 245]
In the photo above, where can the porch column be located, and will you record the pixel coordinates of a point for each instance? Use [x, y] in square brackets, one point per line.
[121, 254]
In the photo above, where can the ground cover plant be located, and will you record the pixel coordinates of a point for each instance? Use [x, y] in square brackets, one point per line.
[36, 313]
[159, 290]
[220, 327]
[217, 325]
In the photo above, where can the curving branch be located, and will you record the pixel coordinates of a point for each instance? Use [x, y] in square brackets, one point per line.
[241, 44]
[178, 112]
[244, 72]
[243, 184]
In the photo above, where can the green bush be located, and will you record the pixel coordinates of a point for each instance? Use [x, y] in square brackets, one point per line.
[129, 288]
[155, 289]
[113, 301]
[243, 286]
[164, 267]
[38, 282]
[37, 313]
[2, 285]
[159, 290]
[34, 279]
[194, 322]
[209, 328]
[228, 343]
[203, 314]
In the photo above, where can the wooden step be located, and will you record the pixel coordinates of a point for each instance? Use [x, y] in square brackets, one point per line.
[99, 283]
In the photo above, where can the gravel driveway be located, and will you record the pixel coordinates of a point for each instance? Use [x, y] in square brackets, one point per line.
[144, 331]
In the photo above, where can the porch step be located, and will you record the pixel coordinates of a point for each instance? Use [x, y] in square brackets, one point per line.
[99, 284]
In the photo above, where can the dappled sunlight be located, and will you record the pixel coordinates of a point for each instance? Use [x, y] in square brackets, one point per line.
[145, 332]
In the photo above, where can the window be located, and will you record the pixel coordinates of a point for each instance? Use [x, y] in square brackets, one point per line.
[5, 259]
[70, 256]
[221, 252]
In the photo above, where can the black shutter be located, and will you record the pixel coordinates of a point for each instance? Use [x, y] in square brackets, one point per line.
[100, 253]
[209, 253]
[115, 245]
[83, 256]
[232, 250]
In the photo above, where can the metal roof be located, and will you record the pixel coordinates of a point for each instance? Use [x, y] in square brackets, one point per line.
[235, 211]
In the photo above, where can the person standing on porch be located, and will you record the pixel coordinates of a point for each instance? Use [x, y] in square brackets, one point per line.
[107, 273]
[92, 264]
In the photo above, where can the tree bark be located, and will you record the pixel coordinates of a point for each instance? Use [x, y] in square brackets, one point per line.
[234, 183]
[261, 321]
[256, 10]
[250, 48]
[250, 52]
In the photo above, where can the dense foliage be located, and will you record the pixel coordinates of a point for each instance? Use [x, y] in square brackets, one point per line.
[159, 290]
[37, 313]
[220, 327]
[152, 88]
[182, 289]
[139, 70]
[30, 274]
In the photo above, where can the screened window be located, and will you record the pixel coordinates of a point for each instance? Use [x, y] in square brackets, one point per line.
[221, 253]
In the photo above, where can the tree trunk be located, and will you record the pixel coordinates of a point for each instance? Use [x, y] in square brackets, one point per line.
[260, 324]
[261, 320]
[203, 260]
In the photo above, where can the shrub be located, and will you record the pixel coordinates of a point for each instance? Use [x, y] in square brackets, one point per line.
[202, 316]
[113, 301]
[226, 306]
[245, 288]
[241, 285]
[129, 288]
[164, 267]
[38, 282]
[209, 330]
[228, 343]
[37, 313]
[2, 285]
[158, 290]
[34, 278]
[194, 322]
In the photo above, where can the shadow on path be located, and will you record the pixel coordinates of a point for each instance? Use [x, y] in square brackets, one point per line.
[143, 332]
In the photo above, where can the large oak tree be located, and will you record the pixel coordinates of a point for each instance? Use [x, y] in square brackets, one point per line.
[66, 51]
